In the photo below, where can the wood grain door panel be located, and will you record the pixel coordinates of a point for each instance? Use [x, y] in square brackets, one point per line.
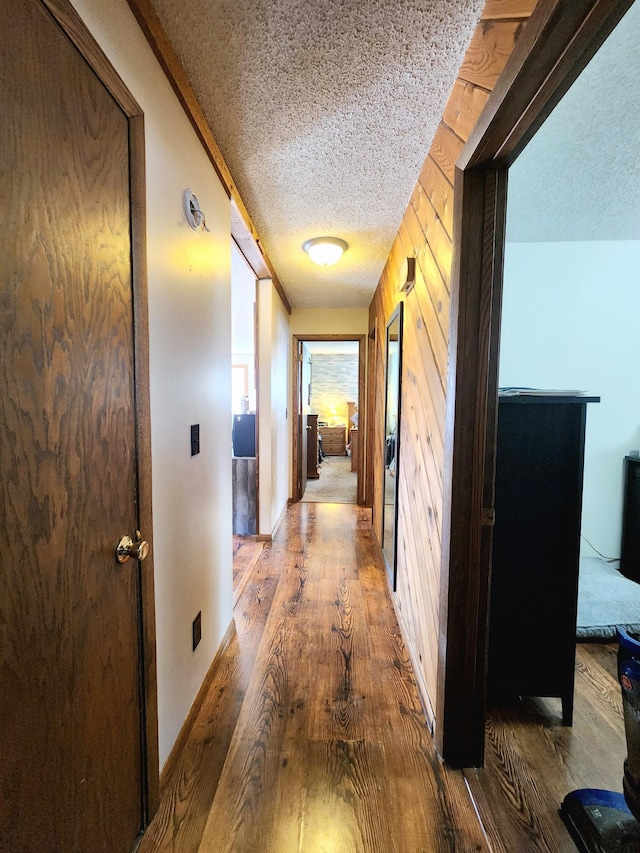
[70, 765]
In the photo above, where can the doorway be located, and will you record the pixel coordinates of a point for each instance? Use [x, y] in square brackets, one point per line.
[329, 421]
[570, 296]
[559, 41]
[78, 718]
[244, 419]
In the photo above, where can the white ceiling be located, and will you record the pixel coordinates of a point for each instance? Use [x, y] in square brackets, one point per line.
[324, 113]
[579, 178]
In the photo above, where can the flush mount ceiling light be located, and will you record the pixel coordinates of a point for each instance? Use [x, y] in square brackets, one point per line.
[325, 251]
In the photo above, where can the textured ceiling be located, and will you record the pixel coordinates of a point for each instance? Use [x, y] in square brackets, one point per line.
[324, 112]
[579, 178]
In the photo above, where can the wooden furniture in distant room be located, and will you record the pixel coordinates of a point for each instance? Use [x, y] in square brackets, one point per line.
[334, 440]
[312, 447]
[536, 547]
[630, 551]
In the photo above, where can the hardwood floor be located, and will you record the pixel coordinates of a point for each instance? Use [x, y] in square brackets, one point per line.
[312, 736]
[532, 761]
[246, 553]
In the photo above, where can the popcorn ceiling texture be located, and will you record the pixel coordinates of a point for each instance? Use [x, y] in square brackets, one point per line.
[324, 112]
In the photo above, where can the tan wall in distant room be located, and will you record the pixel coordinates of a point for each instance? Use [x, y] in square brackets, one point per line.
[329, 321]
[426, 233]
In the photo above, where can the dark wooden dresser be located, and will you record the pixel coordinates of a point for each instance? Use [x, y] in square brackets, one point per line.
[536, 547]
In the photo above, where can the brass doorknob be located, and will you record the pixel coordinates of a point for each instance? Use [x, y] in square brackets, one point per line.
[128, 548]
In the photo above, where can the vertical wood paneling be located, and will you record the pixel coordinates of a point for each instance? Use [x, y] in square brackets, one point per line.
[425, 232]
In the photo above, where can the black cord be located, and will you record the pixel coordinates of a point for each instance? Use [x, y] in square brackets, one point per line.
[607, 559]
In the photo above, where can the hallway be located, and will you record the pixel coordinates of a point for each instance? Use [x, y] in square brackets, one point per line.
[311, 736]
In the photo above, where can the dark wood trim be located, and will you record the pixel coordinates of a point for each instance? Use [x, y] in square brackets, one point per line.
[185, 731]
[371, 405]
[480, 200]
[295, 403]
[295, 407]
[559, 40]
[397, 314]
[143, 439]
[75, 29]
[243, 230]
[362, 415]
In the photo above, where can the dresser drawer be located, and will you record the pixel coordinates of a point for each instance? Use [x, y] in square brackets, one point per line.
[333, 440]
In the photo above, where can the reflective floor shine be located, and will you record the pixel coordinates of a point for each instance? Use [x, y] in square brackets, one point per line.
[312, 736]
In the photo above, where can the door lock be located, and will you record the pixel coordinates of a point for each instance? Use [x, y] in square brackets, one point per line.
[126, 548]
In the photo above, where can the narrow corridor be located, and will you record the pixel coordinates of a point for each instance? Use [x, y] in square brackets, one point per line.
[311, 736]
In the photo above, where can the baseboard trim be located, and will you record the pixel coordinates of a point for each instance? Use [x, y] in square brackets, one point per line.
[285, 510]
[185, 731]
[268, 537]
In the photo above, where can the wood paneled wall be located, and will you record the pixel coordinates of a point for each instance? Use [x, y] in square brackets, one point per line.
[426, 232]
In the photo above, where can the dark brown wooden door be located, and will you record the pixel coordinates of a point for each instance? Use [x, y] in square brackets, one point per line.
[70, 712]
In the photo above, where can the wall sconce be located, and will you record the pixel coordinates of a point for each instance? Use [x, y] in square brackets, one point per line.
[408, 275]
[325, 251]
[192, 211]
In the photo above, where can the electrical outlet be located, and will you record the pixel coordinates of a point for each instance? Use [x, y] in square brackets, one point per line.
[195, 439]
[196, 629]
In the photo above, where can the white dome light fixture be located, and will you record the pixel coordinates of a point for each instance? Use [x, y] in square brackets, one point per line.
[325, 251]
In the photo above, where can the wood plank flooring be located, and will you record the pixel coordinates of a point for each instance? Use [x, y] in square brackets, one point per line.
[246, 553]
[312, 737]
[532, 761]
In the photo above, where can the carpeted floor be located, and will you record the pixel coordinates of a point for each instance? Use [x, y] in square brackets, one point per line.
[337, 484]
[605, 599]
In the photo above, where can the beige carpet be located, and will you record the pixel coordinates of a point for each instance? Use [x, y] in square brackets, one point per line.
[337, 484]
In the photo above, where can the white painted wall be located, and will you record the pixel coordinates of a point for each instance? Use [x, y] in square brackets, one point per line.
[190, 358]
[243, 299]
[274, 371]
[570, 320]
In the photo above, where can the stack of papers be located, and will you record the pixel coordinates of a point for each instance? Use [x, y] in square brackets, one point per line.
[539, 392]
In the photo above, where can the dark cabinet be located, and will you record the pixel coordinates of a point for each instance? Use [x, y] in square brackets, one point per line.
[630, 551]
[244, 435]
[312, 447]
[536, 547]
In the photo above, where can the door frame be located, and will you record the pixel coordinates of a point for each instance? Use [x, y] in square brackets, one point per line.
[557, 43]
[76, 31]
[362, 406]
